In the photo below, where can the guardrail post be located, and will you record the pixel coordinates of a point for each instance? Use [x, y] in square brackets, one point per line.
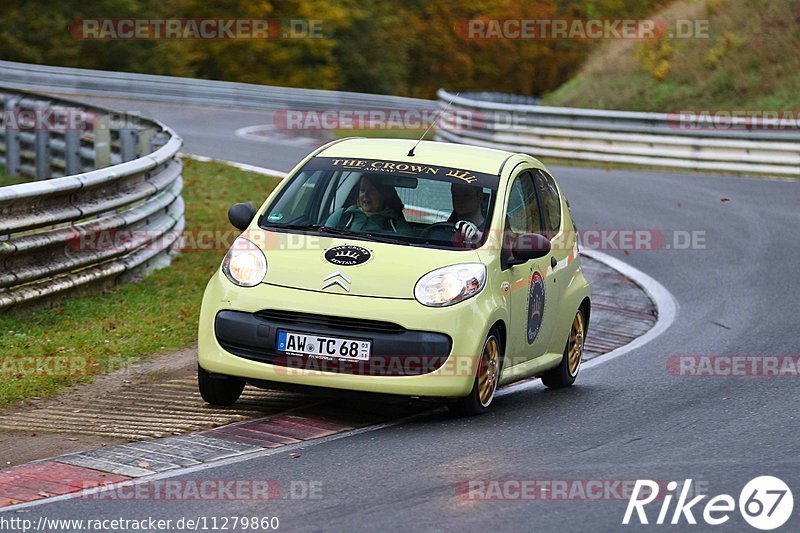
[72, 154]
[145, 142]
[159, 140]
[42, 143]
[12, 139]
[128, 143]
[102, 142]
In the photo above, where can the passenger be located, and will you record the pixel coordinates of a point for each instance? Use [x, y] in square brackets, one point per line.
[378, 209]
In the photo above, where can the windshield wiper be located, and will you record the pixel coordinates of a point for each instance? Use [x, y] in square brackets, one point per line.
[366, 236]
[305, 227]
[337, 231]
[384, 238]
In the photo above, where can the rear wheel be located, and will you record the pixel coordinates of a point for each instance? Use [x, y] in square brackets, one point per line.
[485, 384]
[565, 373]
[218, 390]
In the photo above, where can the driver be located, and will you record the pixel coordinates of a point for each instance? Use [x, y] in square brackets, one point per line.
[467, 211]
[378, 208]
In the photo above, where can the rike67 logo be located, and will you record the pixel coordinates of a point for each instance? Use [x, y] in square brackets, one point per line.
[765, 503]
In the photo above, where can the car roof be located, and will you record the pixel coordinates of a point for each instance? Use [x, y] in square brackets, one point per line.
[467, 157]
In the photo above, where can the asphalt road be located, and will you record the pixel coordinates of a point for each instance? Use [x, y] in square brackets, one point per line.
[626, 419]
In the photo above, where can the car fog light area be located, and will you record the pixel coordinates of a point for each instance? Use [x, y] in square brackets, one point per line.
[245, 264]
[450, 285]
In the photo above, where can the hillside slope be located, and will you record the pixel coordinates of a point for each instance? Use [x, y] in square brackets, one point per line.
[750, 60]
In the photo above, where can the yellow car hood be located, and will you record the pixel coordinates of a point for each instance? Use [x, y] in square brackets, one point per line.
[390, 270]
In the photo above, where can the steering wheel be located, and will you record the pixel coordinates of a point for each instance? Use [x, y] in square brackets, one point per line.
[448, 229]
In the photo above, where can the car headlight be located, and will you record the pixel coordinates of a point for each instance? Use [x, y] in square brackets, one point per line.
[245, 264]
[450, 285]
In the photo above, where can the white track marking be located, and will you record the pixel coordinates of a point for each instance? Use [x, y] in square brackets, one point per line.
[242, 166]
[251, 133]
[666, 308]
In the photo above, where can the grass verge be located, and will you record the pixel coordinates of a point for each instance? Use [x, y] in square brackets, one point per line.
[737, 57]
[44, 350]
[5, 179]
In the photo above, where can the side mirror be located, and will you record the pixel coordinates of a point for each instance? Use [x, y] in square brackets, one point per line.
[528, 246]
[241, 215]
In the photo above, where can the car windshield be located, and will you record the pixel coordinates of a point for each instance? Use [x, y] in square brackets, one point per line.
[387, 201]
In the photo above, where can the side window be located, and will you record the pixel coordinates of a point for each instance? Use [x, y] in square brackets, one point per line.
[551, 202]
[295, 203]
[522, 215]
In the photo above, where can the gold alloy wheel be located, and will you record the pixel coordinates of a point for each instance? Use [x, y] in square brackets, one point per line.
[488, 371]
[575, 350]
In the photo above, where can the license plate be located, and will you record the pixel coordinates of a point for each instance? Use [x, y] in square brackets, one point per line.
[319, 346]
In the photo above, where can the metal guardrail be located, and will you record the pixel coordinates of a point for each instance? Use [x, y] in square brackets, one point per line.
[496, 120]
[651, 139]
[193, 91]
[107, 205]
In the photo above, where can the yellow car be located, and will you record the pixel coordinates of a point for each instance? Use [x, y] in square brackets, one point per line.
[387, 266]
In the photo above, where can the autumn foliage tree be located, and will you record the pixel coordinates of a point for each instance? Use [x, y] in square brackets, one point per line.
[378, 46]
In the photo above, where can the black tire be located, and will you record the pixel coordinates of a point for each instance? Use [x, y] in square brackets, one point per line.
[486, 376]
[565, 373]
[219, 390]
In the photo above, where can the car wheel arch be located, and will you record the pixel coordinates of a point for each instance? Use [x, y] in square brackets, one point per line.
[500, 327]
[586, 307]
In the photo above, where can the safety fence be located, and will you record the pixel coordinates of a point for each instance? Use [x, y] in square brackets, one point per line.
[680, 141]
[97, 173]
[193, 91]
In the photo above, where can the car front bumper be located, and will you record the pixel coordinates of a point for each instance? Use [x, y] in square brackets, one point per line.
[416, 350]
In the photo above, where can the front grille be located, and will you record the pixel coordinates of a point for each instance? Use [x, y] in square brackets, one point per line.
[395, 351]
[334, 322]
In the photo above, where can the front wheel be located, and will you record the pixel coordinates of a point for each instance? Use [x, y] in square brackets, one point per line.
[565, 373]
[218, 390]
[485, 384]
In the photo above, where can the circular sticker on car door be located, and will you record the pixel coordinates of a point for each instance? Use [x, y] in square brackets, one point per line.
[535, 306]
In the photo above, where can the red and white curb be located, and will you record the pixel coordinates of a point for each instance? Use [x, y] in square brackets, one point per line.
[83, 473]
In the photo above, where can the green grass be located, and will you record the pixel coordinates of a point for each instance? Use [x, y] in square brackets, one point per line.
[103, 332]
[5, 179]
[747, 61]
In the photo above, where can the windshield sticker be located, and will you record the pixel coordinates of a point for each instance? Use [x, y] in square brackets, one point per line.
[378, 166]
[274, 217]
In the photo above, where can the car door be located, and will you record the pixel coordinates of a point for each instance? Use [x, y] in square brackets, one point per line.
[532, 293]
[558, 260]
